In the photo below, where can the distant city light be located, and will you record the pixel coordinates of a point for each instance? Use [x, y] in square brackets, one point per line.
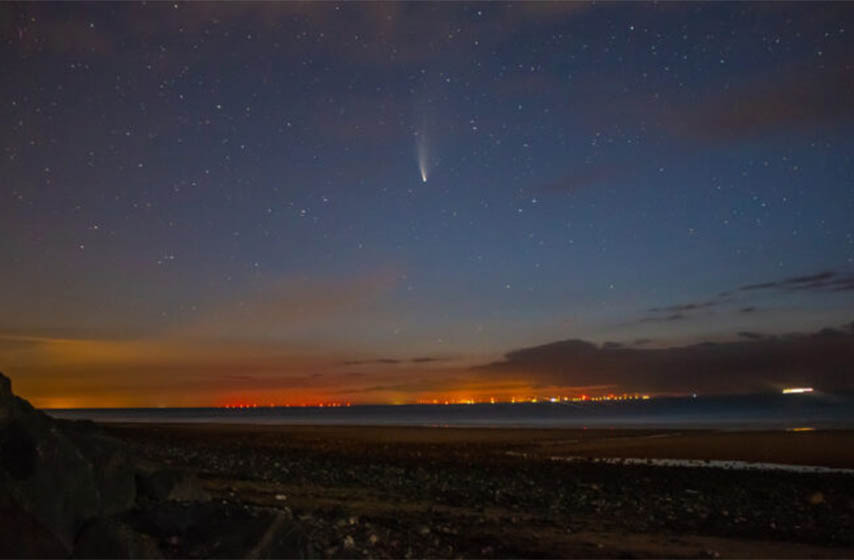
[534, 399]
[796, 390]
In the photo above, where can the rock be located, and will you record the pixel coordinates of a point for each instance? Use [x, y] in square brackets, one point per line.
[211, 529]
[111, 538]
[5, 389]
[171, 485]
[21, 534]
[114, 473]
[59, 474]
[18, 448]
[276, 541]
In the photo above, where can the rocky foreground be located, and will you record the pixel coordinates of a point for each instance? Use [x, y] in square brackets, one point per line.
[81, 490]
[399, 493]
[68, 489]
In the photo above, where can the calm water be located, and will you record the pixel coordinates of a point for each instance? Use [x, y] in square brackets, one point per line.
[732, 412]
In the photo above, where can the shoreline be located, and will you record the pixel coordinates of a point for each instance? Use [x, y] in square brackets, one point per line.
[735, 427]
[832, 448]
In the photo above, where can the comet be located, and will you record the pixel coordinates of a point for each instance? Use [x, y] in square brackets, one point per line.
[422, 154]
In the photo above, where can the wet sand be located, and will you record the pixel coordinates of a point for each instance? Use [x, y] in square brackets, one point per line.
[392, 492]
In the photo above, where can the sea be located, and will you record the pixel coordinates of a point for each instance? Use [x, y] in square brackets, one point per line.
[736, 412]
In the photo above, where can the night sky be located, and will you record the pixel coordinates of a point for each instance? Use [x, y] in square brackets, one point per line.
[207, 204]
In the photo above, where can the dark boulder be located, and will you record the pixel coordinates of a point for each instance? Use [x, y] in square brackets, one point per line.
[56, 476]
[17, 451]
[114, 470]
[69, 490]
[23, 536]
[109, 537]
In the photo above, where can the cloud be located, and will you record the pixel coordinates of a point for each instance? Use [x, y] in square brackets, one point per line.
[371, 34]
[276, 333]
[814, 93]
[826, 281]
[756, 364]
[750, 335]
[685, 307]
[371, 362]
[795, 282]
[172, 372]
[394, 361]
[667, 318]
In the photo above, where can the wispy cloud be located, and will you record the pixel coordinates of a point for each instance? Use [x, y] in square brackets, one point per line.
[665, 318]
[685, 307]
[823, 282]
[826, 281]
[803, 95]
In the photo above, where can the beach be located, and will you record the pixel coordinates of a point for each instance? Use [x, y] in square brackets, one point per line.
[401, 492]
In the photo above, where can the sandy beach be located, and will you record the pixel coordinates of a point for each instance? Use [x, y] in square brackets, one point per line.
[390, 492]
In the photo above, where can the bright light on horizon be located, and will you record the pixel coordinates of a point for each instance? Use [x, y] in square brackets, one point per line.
[796, 390]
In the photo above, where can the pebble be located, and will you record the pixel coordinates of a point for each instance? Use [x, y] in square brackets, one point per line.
[614, 493]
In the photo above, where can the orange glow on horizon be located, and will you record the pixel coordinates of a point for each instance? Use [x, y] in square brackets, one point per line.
[315, 398]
